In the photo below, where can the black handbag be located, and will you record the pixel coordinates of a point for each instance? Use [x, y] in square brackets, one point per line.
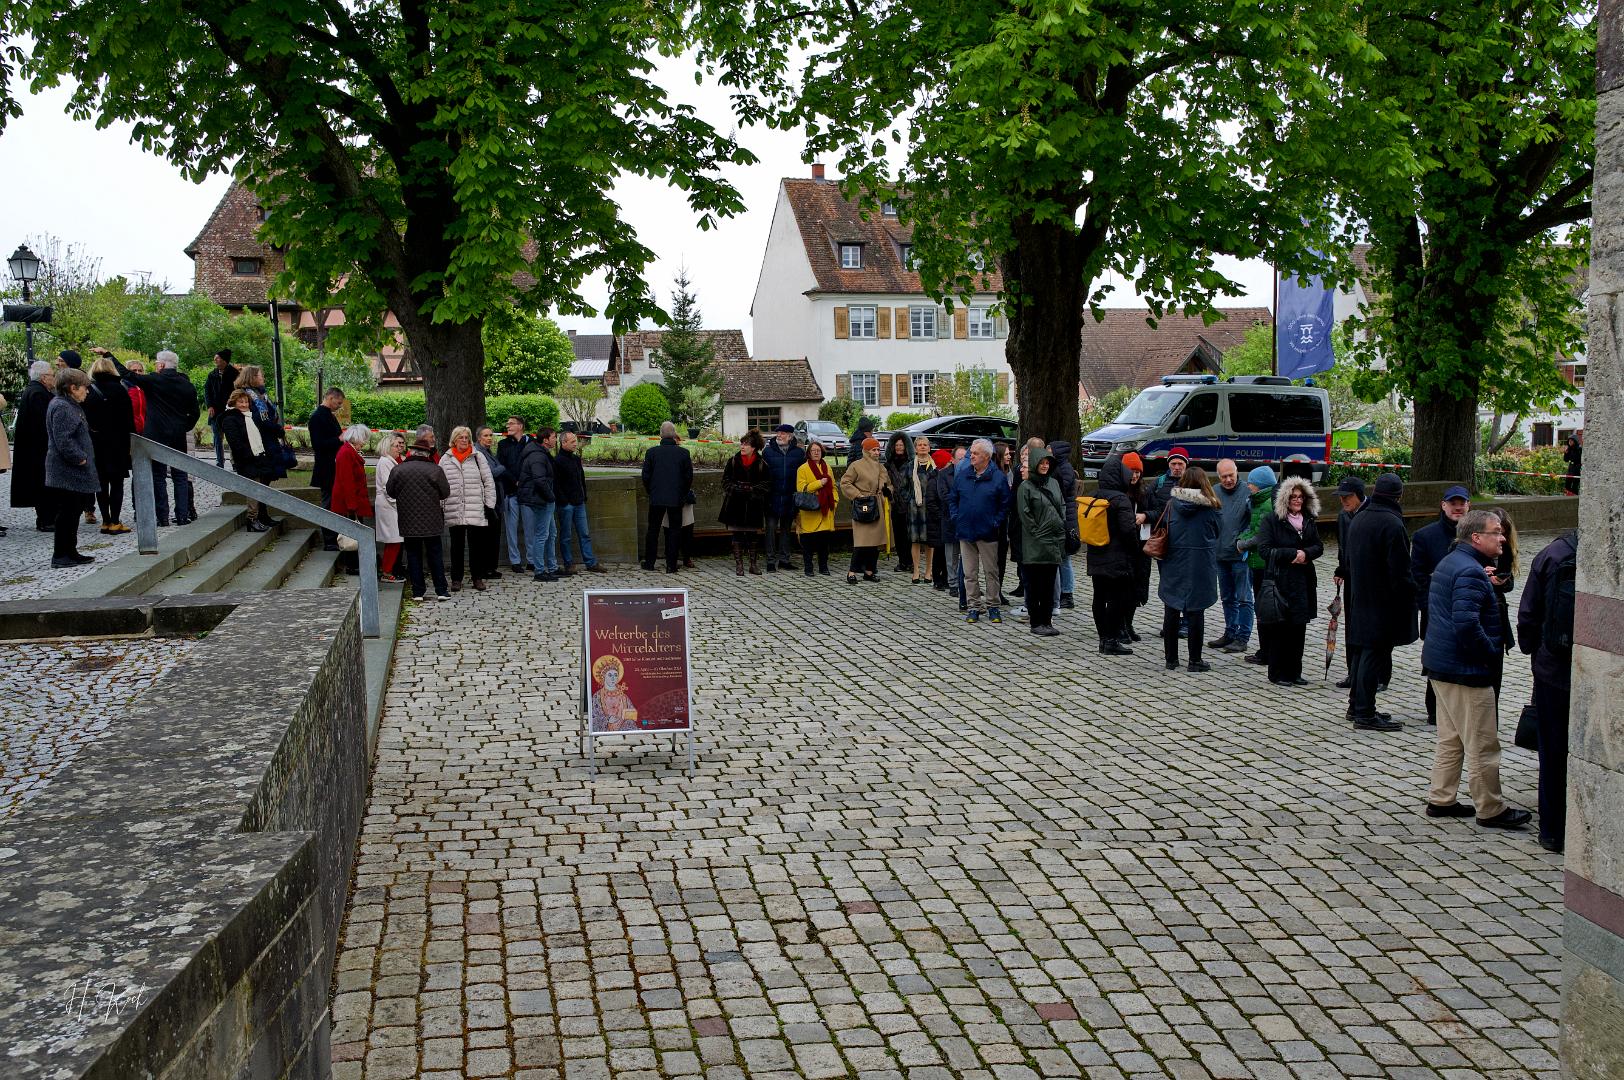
[806, 500]
[1528, 728]
[866, 510]
[1269, 604]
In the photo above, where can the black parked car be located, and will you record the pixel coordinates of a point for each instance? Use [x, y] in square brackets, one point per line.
[952, 432]
[835, 443]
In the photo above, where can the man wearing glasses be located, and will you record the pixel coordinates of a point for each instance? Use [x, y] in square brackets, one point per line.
[1462, 646]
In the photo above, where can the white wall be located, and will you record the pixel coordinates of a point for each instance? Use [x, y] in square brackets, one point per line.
[780, 315]
[734, 416]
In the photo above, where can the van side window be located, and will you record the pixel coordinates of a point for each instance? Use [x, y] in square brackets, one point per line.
[1201, 412]
[1254, 413]
[1250, 413]
[1299, 414]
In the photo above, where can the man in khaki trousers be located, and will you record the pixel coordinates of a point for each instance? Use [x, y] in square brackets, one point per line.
[1461, 654]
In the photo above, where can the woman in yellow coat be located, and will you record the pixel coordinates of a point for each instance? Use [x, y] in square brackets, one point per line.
[866, 484]
[817, 526]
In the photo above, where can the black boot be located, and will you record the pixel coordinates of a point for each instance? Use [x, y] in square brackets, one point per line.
[755, 565]
[738, 558]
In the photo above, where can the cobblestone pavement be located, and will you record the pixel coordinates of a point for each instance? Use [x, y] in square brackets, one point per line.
[916, 848]
[25, 554]
[60, 697]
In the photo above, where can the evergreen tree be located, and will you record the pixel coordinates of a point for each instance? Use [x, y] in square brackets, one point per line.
[688, 359]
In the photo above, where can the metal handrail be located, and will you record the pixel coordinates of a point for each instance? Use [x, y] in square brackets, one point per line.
[144, 451]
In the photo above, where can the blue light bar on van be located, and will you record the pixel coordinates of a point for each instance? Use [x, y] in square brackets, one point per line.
[1189, 380]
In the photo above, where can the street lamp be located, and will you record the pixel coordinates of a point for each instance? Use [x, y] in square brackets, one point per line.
[24, 267]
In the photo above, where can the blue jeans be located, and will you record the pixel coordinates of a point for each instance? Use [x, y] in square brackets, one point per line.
[1067, 579]
[543, 532]
[573, 519]
[1235, 589]
[183, 487]
[510, 525]
[219, 447]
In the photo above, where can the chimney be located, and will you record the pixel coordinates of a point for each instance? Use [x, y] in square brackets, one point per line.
[571, 333]
[817, 170]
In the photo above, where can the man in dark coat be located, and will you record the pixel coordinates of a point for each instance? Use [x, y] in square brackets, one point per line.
[29, 447]
[172, 413]
[1574, 455]
[668, 477]
[1427, 548]
[1351, 491]
[1113, 566]
[783, 457]
[569, 476]
[216, 390]
[1373, 563]
[538, 502]
[1545, 632]
[326, 436]
[508, 452]
[1462, 655]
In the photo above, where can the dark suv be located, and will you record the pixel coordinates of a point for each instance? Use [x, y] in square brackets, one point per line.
[952, 432]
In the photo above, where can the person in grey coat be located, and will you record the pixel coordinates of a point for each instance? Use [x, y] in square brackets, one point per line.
[1234, 575]
[70, 464]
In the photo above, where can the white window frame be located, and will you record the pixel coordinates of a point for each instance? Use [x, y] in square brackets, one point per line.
[907, 253]
[863, 328]
[888, 209]
[918, 316]
[919, 384]
[873, 387]
[983, 327]
[851, 252]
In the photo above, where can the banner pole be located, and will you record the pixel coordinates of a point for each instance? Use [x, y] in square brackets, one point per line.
[1274, 338]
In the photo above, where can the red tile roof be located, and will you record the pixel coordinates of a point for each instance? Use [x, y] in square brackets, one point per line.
[768, 381]
[727, 344]
[228, 235]
[827, 219]
[1123, 349]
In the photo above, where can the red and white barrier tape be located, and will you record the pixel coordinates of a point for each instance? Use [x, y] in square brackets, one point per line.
[1502, 472]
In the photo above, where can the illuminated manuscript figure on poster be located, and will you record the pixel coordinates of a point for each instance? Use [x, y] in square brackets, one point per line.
[612, 708]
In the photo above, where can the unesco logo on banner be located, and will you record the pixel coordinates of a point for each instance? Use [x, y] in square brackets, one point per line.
[1308, 333]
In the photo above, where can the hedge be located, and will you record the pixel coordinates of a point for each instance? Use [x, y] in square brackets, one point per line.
[644, 408]
[406, 409]
[1496, 474]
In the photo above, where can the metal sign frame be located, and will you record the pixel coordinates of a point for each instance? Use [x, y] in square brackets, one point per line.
[588, 737]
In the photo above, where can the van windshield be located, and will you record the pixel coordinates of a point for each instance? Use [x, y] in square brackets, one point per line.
[1152, 407]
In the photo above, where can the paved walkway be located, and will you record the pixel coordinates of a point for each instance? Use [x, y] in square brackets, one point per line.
[916, 848]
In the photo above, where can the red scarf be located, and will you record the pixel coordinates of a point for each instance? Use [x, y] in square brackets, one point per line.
[826, 493]
[462, 455]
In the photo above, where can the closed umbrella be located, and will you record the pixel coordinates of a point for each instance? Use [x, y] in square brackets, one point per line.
[1335, 611]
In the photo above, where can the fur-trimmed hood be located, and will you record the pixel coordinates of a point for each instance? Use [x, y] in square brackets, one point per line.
[1311, 504]
[1194, 496]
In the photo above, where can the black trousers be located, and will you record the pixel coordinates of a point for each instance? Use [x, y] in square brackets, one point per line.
[328, 537]
[486, 543]
[899, 536]
[111, 500]
[1040, 592]
[1266, 633]
[672, 516]
[1113, 606]
[865, 560]
[69, 505]
[777, 544]
[1171, 619]
[815, 543]
[1366, 664]
[417, 547]
[467, 539]
[1286, 651]
[1551, 704]
[938, 566]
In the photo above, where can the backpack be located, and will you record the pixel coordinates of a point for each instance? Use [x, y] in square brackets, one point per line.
[1556, 632]
[1093, 525]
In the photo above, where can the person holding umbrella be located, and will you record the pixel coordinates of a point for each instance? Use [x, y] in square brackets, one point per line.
[1381, 600]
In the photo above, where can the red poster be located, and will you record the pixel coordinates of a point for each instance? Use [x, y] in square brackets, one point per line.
[636, 661]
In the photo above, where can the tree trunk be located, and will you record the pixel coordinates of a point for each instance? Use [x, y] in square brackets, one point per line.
[1045, 265]
[451, 358]
[1445, 438]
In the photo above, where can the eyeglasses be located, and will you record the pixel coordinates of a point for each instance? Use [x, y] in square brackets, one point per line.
[1496, 531]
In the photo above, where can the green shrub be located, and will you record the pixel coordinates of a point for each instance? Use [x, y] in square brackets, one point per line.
[536, 410]
[644, 408]
[1393, 455]
[400, 410]
[1496, 472]
[898, 420]
[841, 410]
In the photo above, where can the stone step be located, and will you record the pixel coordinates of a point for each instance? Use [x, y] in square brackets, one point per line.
[273, 565]
[177, 546]
[210, 571]
[308, 494]
[315, 572]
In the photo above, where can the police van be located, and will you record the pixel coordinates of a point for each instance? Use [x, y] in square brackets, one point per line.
[1255, 419]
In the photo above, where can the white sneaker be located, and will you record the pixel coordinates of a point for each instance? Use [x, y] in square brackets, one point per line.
[441, 596]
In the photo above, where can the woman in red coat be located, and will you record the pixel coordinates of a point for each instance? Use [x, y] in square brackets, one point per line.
[350, 485]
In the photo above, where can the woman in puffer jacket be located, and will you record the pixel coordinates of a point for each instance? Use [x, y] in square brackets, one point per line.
[473, 490]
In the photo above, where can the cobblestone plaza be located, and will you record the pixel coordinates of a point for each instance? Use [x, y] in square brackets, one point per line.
[916, 848]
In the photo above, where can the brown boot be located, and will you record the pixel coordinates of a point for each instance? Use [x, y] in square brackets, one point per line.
[755, 564]
[738, 558]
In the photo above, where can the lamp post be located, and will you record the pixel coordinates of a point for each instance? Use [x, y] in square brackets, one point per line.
[24, 266]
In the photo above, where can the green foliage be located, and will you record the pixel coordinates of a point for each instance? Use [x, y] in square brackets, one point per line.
[901, 419]
[687, 361]
[841, 410]
[1376, 457]
[536, 410]
[524, 353]
[303, 369]
[629, 450]
[394, 410]
[1254, 355]
[1508, 437]
[1097, 412]
[969, 391]
[578, 400]
[1496, 473]
[644, 408]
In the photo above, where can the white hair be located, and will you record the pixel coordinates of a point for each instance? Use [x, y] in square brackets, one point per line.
[166, 359]
[357, 435]
[39, 369]
[984, 445]
[668, 430]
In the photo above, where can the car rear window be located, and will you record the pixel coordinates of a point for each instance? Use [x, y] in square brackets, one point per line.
[1253, 413]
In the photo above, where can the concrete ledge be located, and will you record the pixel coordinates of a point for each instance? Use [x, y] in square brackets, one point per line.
[53, 617]
[137, 573]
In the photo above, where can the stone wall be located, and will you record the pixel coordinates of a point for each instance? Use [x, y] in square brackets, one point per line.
[1593, 992]
[171, 903]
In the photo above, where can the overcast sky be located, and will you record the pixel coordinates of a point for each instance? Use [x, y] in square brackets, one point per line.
[136, 212]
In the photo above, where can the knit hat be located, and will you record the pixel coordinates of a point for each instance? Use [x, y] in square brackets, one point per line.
[941, 458]
[70, 358]
[1131, 460]
[1262, 476]
[1179, 452]
[1390, 485]
[870, 443]
[1351, 485]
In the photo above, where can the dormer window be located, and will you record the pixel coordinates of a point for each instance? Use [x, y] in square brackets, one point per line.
[908, 257]
[889, 209]
[851, 256]
[246, 267]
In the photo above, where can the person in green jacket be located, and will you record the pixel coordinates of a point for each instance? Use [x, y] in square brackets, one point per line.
[1042, 513]
[1261, 482]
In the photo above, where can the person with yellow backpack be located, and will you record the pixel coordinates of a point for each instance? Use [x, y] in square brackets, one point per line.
[1112, 564]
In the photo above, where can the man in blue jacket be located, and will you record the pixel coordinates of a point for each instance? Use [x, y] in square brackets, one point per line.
[783, 458]
[1461, 652]
[1427, 548]
[979, 504]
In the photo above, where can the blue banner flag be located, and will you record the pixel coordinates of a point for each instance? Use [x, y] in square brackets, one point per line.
[1302, 327]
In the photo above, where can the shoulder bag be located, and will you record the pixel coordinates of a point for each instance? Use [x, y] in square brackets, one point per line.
[806, 500]
[866, 510]
[1156, 545]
